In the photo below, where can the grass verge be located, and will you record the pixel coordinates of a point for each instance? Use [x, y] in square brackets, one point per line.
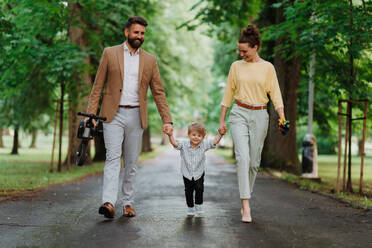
[325, 188]
[30, 170]
[328, 174]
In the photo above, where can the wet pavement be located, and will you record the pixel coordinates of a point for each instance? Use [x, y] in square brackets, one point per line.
[284, 216]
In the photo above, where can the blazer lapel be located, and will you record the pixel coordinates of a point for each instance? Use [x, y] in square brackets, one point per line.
[140, 69]
[120, 57]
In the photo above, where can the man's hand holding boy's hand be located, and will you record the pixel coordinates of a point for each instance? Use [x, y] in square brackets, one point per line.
[222, 131]
[168, 129]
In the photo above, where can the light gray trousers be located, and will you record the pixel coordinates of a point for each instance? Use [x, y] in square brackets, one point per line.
[248, 129]
[122, 134]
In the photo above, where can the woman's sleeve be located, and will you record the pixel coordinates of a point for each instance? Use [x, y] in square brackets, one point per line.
[230, 87]
[273, 89]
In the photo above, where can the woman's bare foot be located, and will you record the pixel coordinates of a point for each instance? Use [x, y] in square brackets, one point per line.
[246, 211]
[246, 216]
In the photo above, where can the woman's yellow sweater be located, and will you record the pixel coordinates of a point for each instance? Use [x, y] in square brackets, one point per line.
[250, 82]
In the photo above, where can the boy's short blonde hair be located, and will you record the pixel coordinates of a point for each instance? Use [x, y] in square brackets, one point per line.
[199, 128]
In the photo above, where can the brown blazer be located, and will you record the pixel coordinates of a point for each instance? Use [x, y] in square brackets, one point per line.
[110, 73]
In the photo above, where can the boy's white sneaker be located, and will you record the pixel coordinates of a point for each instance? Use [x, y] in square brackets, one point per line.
[190, 212]
[199, 209]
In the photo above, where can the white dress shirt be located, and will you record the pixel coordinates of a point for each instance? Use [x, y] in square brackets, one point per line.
[129, 94]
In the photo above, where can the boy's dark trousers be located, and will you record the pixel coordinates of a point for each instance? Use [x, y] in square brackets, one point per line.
[190, 187]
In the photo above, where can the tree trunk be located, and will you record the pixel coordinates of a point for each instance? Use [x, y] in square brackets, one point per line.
[349, 186]
[1, 138]
[146, 140]
[350, 48]
[233, 155]
[78, 96]
[281, 151]
[33, 138]
[15, 142]
[360, 145]
[59, 165]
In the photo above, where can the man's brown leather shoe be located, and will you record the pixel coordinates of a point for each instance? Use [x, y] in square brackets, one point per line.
[107, 209]
[129, 211]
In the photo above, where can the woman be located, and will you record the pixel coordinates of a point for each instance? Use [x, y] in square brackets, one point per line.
[249, 82]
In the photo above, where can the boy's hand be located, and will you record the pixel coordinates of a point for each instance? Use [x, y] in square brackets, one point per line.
[170, 133]
[221, 132]
[167, 128]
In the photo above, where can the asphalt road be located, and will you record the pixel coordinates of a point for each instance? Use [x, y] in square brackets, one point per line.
[284, 216]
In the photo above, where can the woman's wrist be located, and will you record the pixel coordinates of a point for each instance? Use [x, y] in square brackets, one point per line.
[280, 112]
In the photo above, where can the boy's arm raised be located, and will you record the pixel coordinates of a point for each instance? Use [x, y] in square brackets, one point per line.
[217, 139]
[172, 140]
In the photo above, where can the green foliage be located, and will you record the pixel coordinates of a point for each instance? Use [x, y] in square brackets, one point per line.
[225, 19]
[36, 59]
[326, 28]
[36, 44]
[184, 60]
[103, 22]
[236, 13]
[327, 144]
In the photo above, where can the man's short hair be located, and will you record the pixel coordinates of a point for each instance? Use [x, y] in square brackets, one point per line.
[197, 127]
[135, 20]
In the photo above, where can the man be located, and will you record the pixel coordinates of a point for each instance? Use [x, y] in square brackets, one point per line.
[126, 72]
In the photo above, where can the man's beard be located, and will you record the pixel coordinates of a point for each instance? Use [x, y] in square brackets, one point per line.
[135, 43]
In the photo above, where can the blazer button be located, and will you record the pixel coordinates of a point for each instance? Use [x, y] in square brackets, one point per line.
[120, 90]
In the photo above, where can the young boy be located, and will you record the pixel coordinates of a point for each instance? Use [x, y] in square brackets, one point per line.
[192, 154]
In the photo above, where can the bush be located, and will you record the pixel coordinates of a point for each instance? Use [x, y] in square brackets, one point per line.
[327, 145]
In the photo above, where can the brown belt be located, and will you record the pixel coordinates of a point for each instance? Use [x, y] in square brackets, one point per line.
[128, 106]
[249, 106]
